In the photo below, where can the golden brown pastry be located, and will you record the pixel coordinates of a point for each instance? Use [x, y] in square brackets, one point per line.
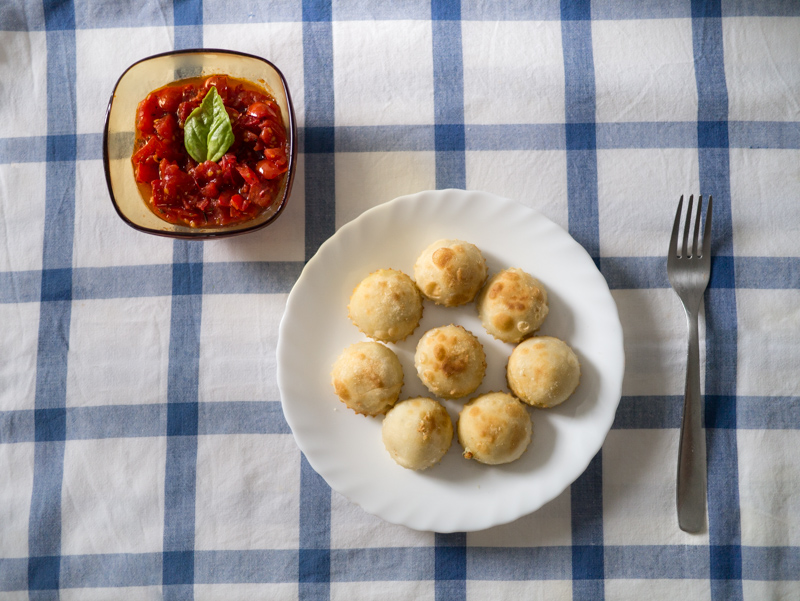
[450, 361]
[386, 305]
[512, 305]
[494, 428]
[417, 432]
[543, 371]
[450, 272]
[367, 377]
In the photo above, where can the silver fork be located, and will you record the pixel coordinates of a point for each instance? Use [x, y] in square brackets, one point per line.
[689, 270]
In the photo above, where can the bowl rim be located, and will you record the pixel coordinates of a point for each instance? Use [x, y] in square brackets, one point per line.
[222, 233]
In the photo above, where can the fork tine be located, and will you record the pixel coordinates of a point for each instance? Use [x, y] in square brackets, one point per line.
[697, 226]
[673, 241]
[707, 231]
[685, 251]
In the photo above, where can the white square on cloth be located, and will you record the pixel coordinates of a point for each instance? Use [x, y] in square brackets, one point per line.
[660, 589]
[639, 489]
[112, 497]
[245, 591]
[129, 593]
[16, 475]
[23, 221]
[238, 341]
[281, 43]
[644, 70]
[764, 203]
[513, 72]
[354, 528]
[655, 331]
[535, 178]
[123, 365]
[248, 489]
[24, 90]
[769, 487]
[367, 179]
[761, 68]
[102, 55]
[638, 191]
[549, 526]
[383, 72]
[18, 349]
[419, 590]
[529, 590]
[769, 327]
[758, 590]
[101, 238]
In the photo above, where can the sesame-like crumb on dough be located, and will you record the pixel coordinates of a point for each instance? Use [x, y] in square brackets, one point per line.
[543, 371]
[494, 428]
[512, 305]
[417, 432]
[367, 377]
[386, 306]
[450, 272]
[450, 361]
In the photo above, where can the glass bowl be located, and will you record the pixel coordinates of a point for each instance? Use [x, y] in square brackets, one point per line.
[156, 71]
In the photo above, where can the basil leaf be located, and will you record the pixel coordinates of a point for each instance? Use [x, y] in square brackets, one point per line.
[207, 133]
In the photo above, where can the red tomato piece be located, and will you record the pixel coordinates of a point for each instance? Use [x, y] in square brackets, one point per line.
[273, 164]
[248, 174]
[147, 112]
[169, 98]
[146, 172]
[167, 128]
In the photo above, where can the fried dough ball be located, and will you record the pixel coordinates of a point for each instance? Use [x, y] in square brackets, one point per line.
[386, 305]
[417, 432]
[450, 361]
[494, 428]
[450, 272]
[512, 305]
[367, 377]
[543, 371]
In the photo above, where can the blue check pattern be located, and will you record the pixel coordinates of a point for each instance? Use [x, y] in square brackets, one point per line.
[44, 553]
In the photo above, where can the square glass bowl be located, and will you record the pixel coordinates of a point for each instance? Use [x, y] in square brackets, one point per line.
[154, 72]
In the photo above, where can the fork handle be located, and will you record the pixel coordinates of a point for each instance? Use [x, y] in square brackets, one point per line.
[691, 485]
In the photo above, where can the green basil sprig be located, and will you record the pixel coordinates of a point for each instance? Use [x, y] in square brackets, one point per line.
[207, 132]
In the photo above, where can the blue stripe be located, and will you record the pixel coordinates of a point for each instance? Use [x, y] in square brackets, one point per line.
[582, 199]
[383, 564]
[581, 136]
[270, 565]
[320, 224]
[657, 561]
[398, 564]
[450, 567]
[135, 421]
[720, 307]
[266, 417]
[268, 277]
[314, 555]
[519, 563]
[448, 95]
[44, 526]
[188, 19]
[180, 480]
[772, 135]
[319, 140]
[111, 570]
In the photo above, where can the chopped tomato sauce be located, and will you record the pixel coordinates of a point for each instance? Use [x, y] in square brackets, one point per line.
[239, 186]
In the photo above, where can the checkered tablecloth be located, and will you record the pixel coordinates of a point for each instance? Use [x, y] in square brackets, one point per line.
[143, 450]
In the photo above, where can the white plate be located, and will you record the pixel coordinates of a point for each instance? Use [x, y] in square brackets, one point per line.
[456, 494]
